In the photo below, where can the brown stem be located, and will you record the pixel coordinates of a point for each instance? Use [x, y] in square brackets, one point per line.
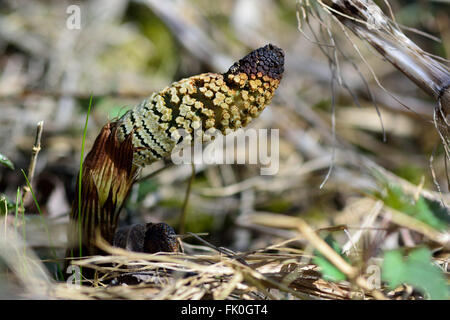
[366, 20]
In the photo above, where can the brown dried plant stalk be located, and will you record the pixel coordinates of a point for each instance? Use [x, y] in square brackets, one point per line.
[151, 130]
[368, 22]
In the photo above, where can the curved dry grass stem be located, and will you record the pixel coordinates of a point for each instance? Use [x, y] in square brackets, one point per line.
[298, 223]
[28, 268]
[368, 22]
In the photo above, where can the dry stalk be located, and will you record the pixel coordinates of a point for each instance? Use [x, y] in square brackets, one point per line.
[368, 22]
[409, 222]
[27, 267]
[34, 154]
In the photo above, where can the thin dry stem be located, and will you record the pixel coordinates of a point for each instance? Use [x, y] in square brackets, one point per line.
[34, 154]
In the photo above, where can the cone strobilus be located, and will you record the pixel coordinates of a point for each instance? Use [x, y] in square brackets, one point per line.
[150, 131]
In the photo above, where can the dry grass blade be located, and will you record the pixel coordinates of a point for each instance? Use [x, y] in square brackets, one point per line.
[319, 244]
[367, 21]
[196, 276]
[406, 221]
[25, 265]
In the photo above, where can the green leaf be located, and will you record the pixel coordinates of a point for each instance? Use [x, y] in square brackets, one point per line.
[420, 209]
[392, 269]
[6, 162]
[417, 271]
[328, 270]
[441, 212]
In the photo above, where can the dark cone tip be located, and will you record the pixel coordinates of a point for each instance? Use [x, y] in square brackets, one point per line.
[267, 60]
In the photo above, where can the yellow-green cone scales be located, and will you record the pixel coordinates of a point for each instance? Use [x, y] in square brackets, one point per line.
[222, 101]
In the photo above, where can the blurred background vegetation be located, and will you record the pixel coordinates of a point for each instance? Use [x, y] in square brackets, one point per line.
[125, 50]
